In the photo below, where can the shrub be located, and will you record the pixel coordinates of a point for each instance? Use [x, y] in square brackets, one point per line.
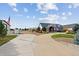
[44, 29]
[3, 29]
[38, 29]
[76, 27]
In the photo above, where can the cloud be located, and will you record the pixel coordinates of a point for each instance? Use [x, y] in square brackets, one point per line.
[28, 16]
[33, 17]
[13, 6]
[63, 13]
[51, 18]
[45, 7]
[25, 10]
[73, 5]
[14, 9]
[70, 6]
[43, 12]
[69, 13]
[66, 13]
[64, 18]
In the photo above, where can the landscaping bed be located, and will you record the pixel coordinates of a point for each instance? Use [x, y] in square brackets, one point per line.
[6, 39]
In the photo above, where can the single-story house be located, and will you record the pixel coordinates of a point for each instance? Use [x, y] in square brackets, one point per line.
[51, 27]
[69, 27]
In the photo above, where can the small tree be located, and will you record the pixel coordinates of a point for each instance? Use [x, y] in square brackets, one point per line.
[76, 27]
[3, 29]
[38, 29]
[25, 29]
[44, 29]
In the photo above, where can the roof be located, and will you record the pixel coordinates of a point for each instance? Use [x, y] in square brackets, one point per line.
[46, 24]
[69, 26]
[6, 22]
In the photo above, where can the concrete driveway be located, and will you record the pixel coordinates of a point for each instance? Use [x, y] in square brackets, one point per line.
[42, 45]
[22, 45]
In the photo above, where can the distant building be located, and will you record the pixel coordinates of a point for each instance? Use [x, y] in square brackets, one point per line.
[51, 27]
[7, 25]
[69, 27]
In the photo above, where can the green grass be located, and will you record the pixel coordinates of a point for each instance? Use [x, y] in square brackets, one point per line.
[6, 39]
[71, 33]
[64, 37]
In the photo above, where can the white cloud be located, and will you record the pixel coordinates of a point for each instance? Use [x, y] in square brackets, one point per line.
[33, 17]
[63, 13]
[46, 7]
[64, 17]
[69, 13]
[13, 6]
[51, 18]
[50, 7]
[14, 9]
[66, 14]
[28, 16]
[39, 6]
[75, 5]
[70, 6]
[25, 10]
[43, 12]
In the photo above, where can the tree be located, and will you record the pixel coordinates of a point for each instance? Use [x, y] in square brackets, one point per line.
[3, 29]
[38, 29]
[76, 27]
[44, 29]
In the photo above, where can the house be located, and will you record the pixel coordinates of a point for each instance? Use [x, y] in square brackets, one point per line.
[51, 27]
[69, 27]
[7, 25]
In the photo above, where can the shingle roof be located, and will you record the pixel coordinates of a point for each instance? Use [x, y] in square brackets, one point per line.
[6, 22]
[46, 24]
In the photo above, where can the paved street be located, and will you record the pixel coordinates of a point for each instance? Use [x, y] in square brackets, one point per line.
[32, 45]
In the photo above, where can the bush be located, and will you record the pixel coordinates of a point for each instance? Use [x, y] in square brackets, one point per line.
[64, 30]
[3, 29]
[38, 29]
[44, 29]
[76, 27]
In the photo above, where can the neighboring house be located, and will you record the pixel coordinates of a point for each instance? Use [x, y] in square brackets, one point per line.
[17, 31]
[51, 27]
[12, 31]
[7, 25]
[69, 27]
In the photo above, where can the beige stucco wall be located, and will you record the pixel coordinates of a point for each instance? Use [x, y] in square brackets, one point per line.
[8, 30]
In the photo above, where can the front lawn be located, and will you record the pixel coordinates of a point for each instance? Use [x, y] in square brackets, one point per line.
[6, 39]
[64, 37]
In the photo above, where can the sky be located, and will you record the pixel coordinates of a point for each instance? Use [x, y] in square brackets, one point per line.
[29, 15]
